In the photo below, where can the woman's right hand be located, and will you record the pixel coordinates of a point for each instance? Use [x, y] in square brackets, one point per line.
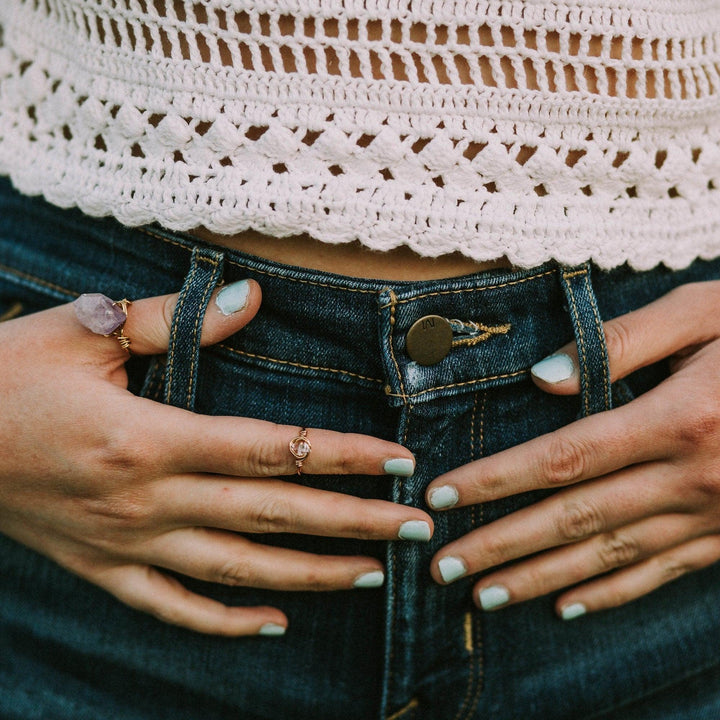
[117, 488]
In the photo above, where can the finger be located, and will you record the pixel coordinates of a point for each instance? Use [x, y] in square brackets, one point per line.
[149, 320]
[150, 591]
[255, 448]
[633, 582]
[591, 447]
[570, 565]
[272, 506]
[664, 327]
[568, 517]
[228, 559]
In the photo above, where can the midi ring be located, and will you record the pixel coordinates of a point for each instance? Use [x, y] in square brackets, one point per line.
[103, 316]
[300, 448]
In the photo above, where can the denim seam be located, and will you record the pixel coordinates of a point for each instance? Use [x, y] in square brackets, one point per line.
[212, 262]
[173, 335]
[245, 266]
[391, 345]
[471, 290]
[582, 351]
[279, 361]
[39, 281]
[603, 344]
[461, 384]
[485, 332]
[15, 310]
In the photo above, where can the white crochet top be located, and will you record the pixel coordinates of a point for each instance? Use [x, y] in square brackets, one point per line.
[532, 129]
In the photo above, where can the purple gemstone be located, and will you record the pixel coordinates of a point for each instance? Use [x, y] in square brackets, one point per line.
[99, 313]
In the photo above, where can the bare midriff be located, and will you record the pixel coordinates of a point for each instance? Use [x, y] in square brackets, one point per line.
[350, 258]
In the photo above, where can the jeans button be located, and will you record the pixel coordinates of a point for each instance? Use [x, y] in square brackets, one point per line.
[429, 340]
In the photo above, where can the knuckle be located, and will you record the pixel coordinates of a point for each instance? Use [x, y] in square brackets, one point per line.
[579, 520]
[617, 550]
[565, 462]
[235, 574]
[618, 339]
[272, 514]
[495, 550]
[700, 422]
[269, 455]
[123, 508]
[672, 568]
[316, 581]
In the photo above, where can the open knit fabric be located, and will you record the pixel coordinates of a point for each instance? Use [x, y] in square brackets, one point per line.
[573, 130]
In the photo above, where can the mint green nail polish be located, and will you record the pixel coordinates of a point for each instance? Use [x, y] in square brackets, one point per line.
[493, 597]
[399, 466]
[233, 298]
[575, 610]
[373, 579]
[272, 630]
[414, 530]
[451, 568]
[554, 369]
[443, 497]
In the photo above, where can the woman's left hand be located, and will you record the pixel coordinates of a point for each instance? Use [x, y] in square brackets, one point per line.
[641, 498]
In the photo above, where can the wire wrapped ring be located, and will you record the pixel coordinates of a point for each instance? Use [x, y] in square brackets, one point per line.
[300, 448]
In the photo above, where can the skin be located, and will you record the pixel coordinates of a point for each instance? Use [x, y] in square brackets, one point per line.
[117, 488]
[638, 487]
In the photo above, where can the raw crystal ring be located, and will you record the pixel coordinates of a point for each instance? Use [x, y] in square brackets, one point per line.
[103, 316]
[300, 448]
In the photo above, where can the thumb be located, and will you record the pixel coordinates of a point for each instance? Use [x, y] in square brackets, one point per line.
[149, 320]
[656, 331]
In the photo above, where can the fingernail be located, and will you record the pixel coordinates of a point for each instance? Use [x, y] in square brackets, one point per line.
[493, 597]
[414, 530]
[575, 610]
[554, 369]
[373, 579]
[272, 630]
[233, 298]
[399, 466]
[443, 497]
[451, 568]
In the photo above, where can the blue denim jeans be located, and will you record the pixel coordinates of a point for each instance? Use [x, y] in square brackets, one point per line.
[329, 351]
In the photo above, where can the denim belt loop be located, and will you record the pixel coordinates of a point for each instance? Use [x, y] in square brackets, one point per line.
[594, 368]
[183, 354]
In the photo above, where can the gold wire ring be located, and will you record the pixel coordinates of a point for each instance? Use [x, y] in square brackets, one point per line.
[119, 332]
[300, 448]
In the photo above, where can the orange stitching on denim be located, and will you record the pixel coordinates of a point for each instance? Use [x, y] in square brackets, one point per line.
[261, 272]
[393, 299]
[337, 371]
[410, 706]
[519, 281]
[173, 335]
[39, 281]
[462, 384]
[213, 262]
[486, 332]
[603, 344]
[393, 564]
[15, 310]
[582, 351]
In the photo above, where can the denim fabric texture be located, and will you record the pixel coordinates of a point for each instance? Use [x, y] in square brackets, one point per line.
[329, 351]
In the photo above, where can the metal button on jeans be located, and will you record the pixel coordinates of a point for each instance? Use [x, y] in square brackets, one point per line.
[429, 340]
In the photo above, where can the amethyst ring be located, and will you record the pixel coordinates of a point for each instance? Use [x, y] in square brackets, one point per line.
[103, 316]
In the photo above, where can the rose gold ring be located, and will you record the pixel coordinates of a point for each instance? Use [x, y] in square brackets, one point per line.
[300, 448]
[103, 316]
[119, 332]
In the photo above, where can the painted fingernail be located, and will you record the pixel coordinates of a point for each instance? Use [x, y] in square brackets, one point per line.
[373, 579]
[554, 369]
[272, 630]
[572, 611]
[399, 466]
[414, 530]
[451, 568]
[493, 597]
[443, 497]
[233, 298]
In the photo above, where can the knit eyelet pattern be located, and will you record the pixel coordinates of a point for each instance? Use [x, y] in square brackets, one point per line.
[571, 130]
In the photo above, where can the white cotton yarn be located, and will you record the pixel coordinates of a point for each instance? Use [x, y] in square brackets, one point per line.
[536, 130]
